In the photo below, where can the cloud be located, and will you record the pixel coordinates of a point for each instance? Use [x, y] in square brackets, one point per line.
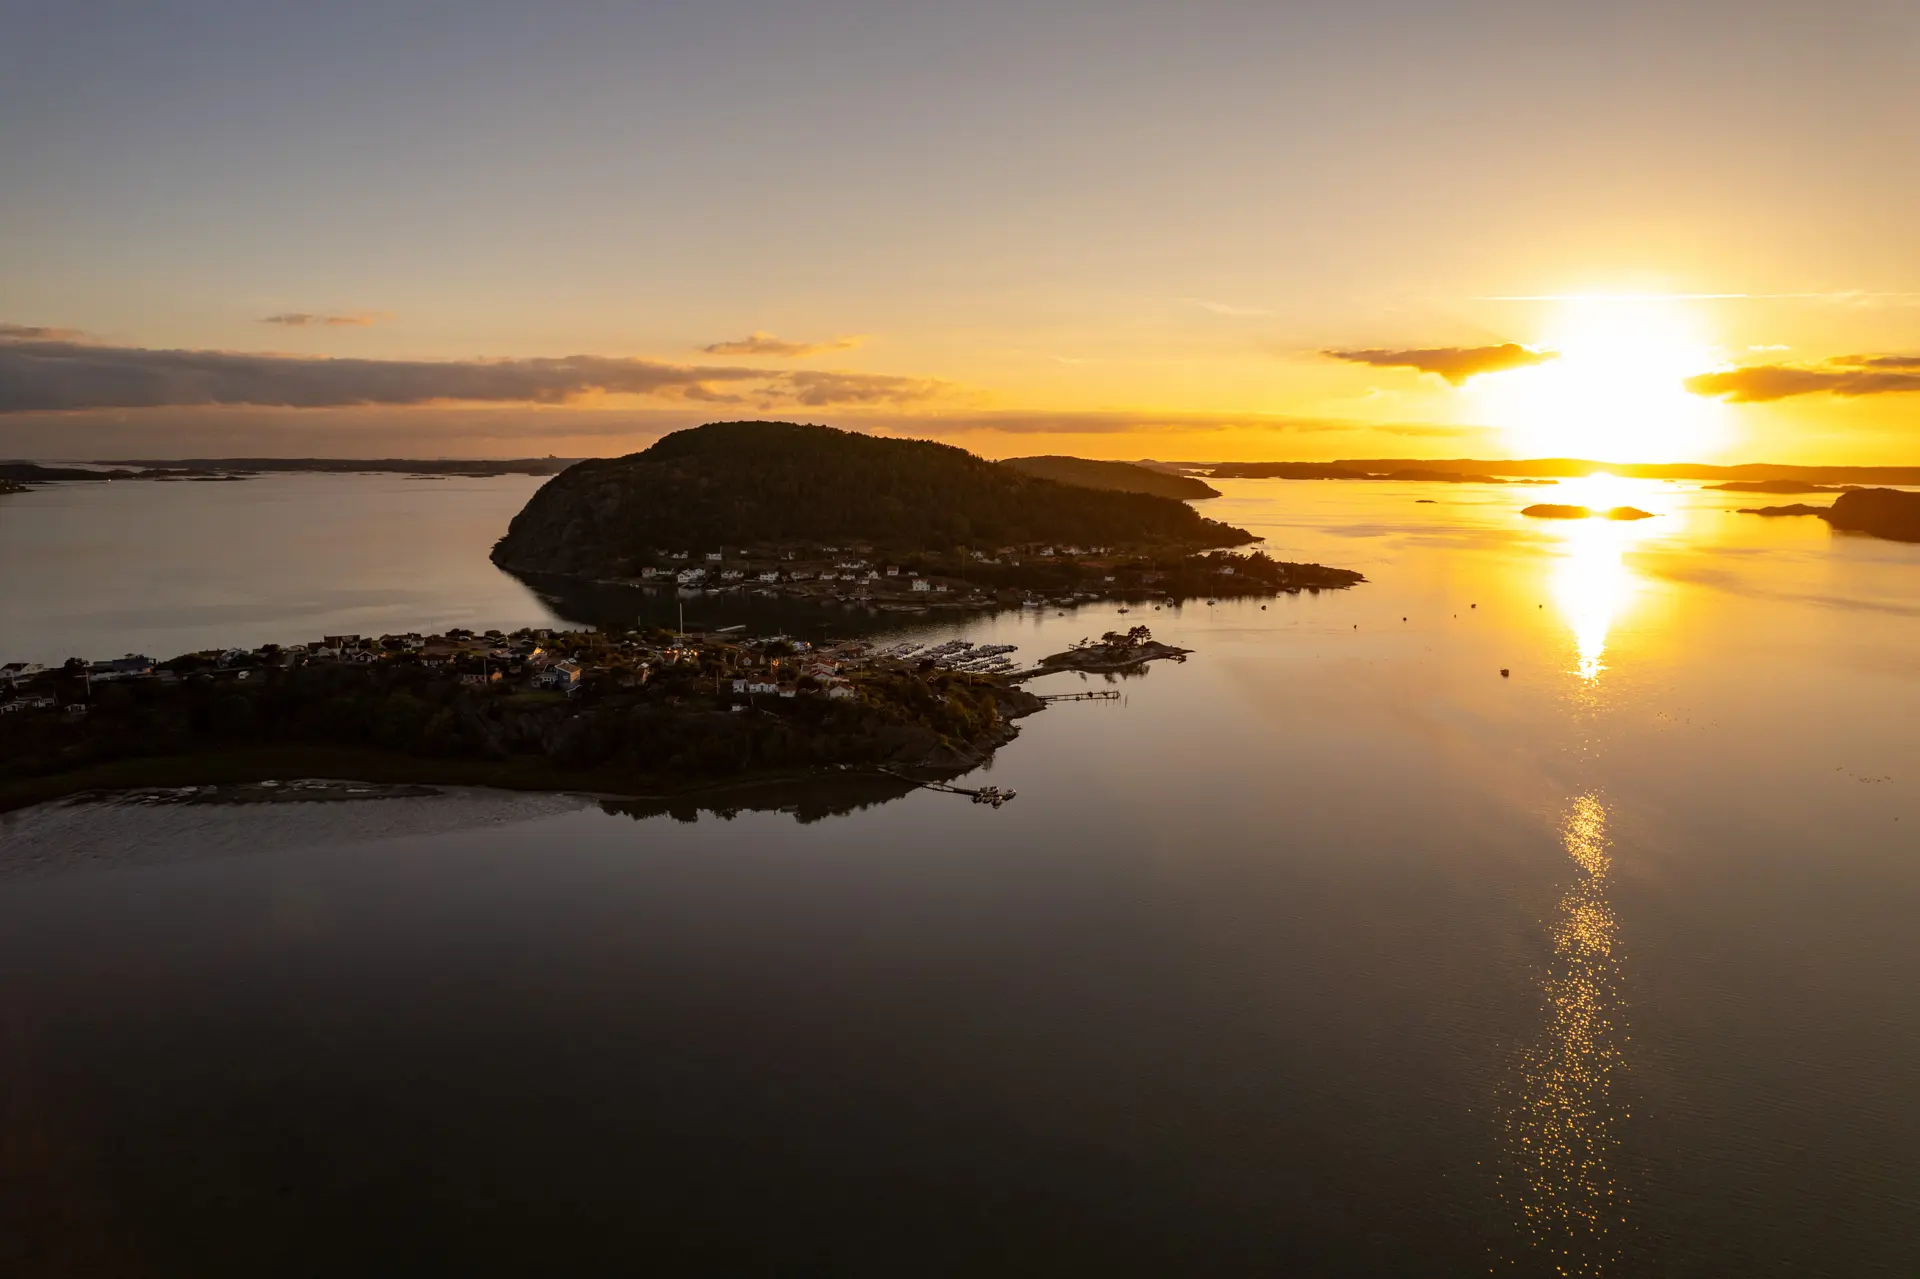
[1847, 297]
[62, 375]
[1454, 363]
[308, 320]
[759, 343]
[1223, 308]
[38, 333]
[1122, 421]
[1848, 376]
[819, 389]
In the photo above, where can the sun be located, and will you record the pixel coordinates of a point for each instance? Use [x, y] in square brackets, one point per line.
[1617, 391]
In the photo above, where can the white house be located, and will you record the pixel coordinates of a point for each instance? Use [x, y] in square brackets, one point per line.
[922, 584]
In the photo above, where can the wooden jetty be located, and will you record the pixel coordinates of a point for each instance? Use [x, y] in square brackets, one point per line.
[1097, 695]
[984, 795]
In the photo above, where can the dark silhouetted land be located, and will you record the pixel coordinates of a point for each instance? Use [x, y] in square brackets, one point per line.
[1545, 468]
[361, 465]
[1121, 477]
[783, 487]
[1554, 511]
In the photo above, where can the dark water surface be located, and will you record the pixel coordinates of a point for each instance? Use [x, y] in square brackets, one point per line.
[1329, 951]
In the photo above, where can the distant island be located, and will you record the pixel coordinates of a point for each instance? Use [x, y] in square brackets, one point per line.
[813, 513]
[1553, 511]
[1283, 471]
[1481, 470]
[1775, 486]
[29, 473]
[625, 714]
[1797, 508]
[1122, 477]
[1892, 514]
[1413, 473]
[363, 465]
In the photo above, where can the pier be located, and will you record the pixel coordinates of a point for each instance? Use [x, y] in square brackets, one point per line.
[1097, 695]
[983, 795]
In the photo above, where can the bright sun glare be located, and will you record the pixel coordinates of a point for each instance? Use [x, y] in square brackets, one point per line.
[1617, 390]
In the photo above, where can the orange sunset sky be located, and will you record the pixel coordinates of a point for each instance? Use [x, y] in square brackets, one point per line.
[1212, 231]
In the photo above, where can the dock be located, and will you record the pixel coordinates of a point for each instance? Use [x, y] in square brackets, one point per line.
[983, 795]
[1098, 695]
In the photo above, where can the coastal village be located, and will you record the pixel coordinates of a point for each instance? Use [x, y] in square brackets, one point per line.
[620, 713]
[729, 667]
[1031, 576]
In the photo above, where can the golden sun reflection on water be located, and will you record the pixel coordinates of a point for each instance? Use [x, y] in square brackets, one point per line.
[1561, 1120]
[1592, 584]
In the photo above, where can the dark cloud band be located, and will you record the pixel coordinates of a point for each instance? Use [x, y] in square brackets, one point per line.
[1847, 376]
[1454, 363]
[57, 374]
[309, 320]
[758, 343]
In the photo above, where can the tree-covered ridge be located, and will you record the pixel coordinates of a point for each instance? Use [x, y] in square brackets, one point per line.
[1122, 476]
[730, 484]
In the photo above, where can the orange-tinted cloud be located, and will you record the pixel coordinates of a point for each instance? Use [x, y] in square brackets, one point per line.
[817, 389]
[309, 320]
[58, 375]
[1847, 375]
[38, 333]
[759, 343]
[1454, 363]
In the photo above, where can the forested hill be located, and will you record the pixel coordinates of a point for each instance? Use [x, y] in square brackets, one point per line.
[1122, 477]
[734, 484]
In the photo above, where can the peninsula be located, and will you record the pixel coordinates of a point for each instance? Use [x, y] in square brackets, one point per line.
[624, 714]
[1892, 514]
[1123, 477]
[817, 514]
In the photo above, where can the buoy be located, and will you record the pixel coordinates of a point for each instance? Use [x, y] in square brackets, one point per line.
[1473, 606]
[1505, 673]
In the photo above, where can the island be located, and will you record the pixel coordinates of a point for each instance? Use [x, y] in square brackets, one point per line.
[1123, 477]
[630, 715]
[814, 514]
[1286, 471]
[1114, 652]
[1780, 487]
[469, 467]
[27, 473]
[1892, 514]
[1554, 511]
[1797, 508]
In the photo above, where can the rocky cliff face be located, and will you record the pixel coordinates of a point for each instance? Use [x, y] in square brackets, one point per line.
[1888, 513]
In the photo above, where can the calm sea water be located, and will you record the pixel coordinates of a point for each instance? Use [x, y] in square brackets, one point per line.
[1329, 951]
